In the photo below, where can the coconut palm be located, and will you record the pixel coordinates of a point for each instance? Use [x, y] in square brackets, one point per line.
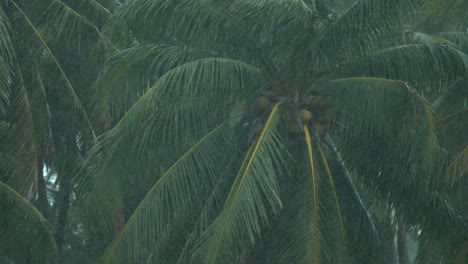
[262, 131]
[43, 116]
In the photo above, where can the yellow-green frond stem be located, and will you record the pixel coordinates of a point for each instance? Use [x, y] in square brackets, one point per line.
[337, 202]
[315, 228]
[249, 168]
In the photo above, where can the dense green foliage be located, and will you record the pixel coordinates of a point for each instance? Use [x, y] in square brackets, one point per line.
[241, 131]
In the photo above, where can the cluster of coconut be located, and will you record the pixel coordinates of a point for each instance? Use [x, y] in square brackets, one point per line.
[305, 112]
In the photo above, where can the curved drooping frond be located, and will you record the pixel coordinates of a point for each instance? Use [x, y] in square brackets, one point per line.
[391, 116]
[452, 109]
[185, 88]
[5, 60]
[305, 240]
[207, 24]
[340, 242]
[362, 28]
[24, 166]
[369, 105]
[182, 106]
[424, 66]
[5, 75]
[329, 225]
[72, 91]
[26, 235]
[128, 73]
[449, 12]
[207, 214]
[71, 20]
[415, 37]
[458, 167]
[407, 147]
[171, 197]
[458, 38]
[253, 195]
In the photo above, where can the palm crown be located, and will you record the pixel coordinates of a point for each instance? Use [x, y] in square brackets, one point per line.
[301, 106]
[261, 131]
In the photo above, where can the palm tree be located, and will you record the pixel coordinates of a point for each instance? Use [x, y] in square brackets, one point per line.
[43, 118]
[263, 131]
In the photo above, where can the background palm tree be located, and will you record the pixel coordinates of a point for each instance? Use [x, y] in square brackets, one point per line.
[46, 50]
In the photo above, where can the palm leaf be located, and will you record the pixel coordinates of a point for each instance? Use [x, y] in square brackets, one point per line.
[452, 12]
[362, 27]
[328, 218]
[171, 196]
[245, 212]
[460, 39]
[60, 18]
[59, 67]
[425, 66]
[387, 117]
[19, 220]
[128, 73]
[174, 111]
[206, 24]
[5, 60]
[25, 127]
[458, 166]
[340, 238]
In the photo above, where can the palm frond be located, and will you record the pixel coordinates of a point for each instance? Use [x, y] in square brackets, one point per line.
[340, 238]
[23, 169]
[386, 114]
[106, 6]
[424, 66]
[177, 102]
[19, 220]
[451, 12]
[452, 108]
[65, 21]
[5, 60]
[242, 219]
[460, 39]
[5, 85]
[59, 67]
[362, 27]
[170, 197]
[329, 223]
[128, 73]
[305, 242]
[458, 166]
[207, 24]
[174, 111]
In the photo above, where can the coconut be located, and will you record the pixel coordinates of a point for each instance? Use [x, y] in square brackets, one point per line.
[305, 115]
[319, 128]
[264, 102]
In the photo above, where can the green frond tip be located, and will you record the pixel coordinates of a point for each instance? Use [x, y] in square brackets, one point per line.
[26, 234]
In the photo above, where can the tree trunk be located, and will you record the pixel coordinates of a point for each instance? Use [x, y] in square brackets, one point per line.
[63, 203]
[402, 244]
[63, 196]
[42, 199]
